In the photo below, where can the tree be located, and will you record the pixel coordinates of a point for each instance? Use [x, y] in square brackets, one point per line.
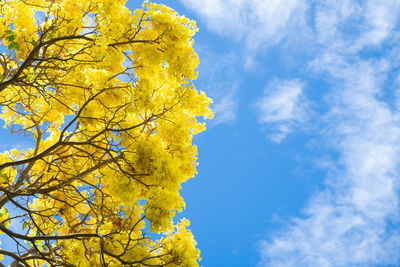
[106, 99]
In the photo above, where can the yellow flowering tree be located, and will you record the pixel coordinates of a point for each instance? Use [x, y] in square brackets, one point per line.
[106, 97]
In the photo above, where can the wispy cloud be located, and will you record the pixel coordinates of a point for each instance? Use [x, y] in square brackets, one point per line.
[259, 23]
[354, 220]
[350, 26]
[349, 222]
[218, 79]
[226, 107]
[282, 107]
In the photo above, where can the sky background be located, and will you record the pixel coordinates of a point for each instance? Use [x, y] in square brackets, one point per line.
[300, 166]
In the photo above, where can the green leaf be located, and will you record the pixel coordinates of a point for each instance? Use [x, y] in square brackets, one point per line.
[10, 47]
[11, 38]
[24, 225]
[17, 46]
[52, 33]
[14, 45]
[29, 77]
[6, 223]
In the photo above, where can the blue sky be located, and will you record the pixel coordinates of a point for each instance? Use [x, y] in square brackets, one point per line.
[300, 166]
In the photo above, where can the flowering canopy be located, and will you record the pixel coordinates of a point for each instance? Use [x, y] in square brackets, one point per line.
[106, 96]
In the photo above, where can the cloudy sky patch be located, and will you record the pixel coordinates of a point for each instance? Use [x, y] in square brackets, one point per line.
[352, 47]
[282, 107]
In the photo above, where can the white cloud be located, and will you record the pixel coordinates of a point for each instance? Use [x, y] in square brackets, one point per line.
[282, 107]
[351, 222]
[380, 20]
[218, 78]
[259, 23]
[226, 107]
[348, 223]
[349, 26]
